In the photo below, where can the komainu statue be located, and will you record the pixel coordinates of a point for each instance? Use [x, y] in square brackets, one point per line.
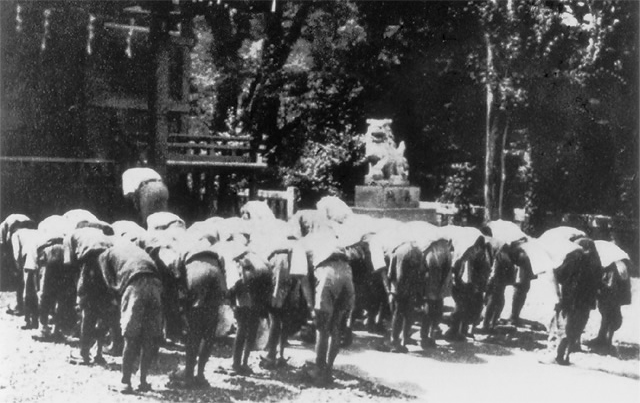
[387, 163]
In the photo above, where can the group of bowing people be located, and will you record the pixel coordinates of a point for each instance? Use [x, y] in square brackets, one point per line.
[170, 281]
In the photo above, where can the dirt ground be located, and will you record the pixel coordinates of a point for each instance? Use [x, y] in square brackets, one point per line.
[497, 368]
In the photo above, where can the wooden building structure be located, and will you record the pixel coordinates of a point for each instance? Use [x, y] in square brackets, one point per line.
[90, 89]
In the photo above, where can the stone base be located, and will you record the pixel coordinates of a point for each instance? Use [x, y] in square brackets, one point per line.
[387, 197]
[397, 180]
[401, 214]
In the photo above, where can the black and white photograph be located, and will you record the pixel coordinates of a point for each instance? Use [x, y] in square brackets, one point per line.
[319, 201]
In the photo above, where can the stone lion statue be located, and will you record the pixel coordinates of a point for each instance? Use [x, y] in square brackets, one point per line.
[387, 163]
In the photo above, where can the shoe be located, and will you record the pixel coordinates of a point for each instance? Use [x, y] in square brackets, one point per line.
[126, 389]
[113, 351]
[201, 381]
[49, 337]
[427, 343]
[319, 377]
[383, 347]
[576, 348]
[268, 363]
[282, 362]
[179, 378]
[595, 343]
[553, 360]
[451, 336]
[82, 360]
[144, 387]
[482, 330]
[99, 360]
[516, 322]
[177, 375]
[15, 311]
[242, 370]
[399, 349]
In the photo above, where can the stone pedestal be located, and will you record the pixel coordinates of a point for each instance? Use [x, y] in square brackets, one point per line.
[393, 197]
[401, 214]
[391, 201]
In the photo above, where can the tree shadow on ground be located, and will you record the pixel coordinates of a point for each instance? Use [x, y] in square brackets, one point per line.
[621, 351]
[529, 337]
[284, 383]
[628, 352]
[230, 390]
[463, 352]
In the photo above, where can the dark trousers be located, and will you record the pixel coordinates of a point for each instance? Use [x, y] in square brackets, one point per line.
[247, 320]
[611, 320]
[57, 298]
[97, 319]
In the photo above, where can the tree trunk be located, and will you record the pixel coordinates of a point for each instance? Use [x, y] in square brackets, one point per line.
[263, 103]
[224, 50]
[503, 168]
[489, 137]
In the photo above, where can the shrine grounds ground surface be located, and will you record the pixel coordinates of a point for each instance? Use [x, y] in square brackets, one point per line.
[501, 368]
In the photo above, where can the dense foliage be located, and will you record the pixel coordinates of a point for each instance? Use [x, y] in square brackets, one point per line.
[539, 93]
[542, 94]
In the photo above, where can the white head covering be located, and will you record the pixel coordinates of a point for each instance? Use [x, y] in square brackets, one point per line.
[266, 239]
[610, 253]
[129, 230]
[505, 231]
[462, 238]
[164, 220]
[563, 232]
[257, 210]
[422, 233]
[548, 253]
[77, 215]
[229, 251]
[321, 245]
[56, 226]
[334, 208]
[133, 177]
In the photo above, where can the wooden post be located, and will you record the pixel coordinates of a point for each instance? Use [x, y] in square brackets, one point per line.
[159, 95]
[292, 201]
[253, 187]
[186, 33]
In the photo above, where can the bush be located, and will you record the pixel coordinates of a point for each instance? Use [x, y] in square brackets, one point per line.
[459, 187]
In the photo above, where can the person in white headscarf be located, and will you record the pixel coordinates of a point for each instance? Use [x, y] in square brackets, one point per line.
[11, 225]
[614, 292]
[25, 245]
[146, 190]
[332, 299]
[576, 280]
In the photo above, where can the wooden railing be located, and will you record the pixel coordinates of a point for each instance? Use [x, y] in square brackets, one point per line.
[213, 148]
[449, 214]
[283, 203]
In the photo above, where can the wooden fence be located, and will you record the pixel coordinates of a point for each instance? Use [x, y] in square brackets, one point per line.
[283, 203]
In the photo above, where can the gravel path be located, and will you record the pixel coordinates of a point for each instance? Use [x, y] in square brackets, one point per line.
[502, 368]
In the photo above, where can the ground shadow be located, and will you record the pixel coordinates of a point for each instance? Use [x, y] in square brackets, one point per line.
[528, 338]
[231, 390]
[452, 352]
[628, 352]
[284, 383]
